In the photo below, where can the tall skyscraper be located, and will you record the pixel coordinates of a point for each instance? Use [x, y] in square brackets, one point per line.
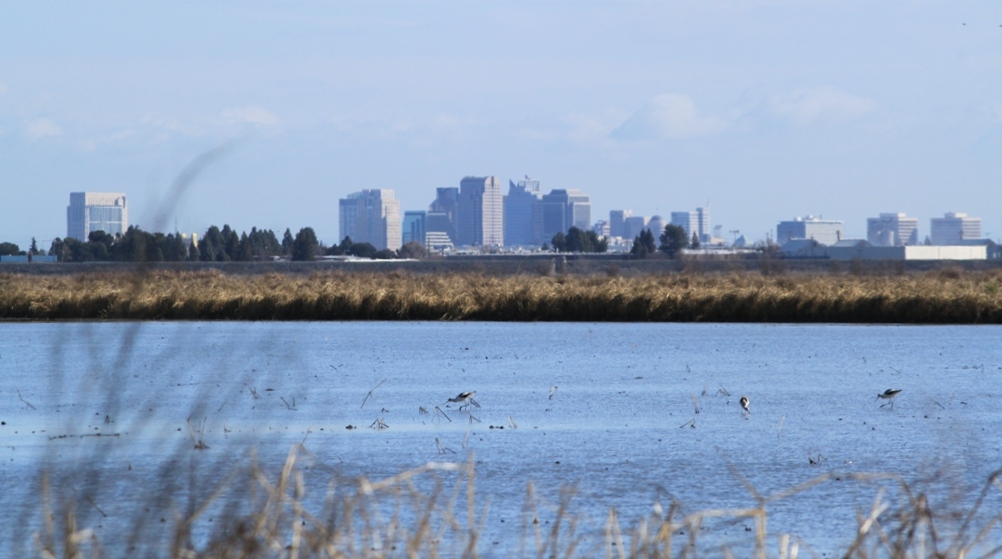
[523, 218]
[481, 212]
[96, 211]
[371, 216]
[824, 231]
[953, 228]
[892, 229]
[443, 212]
[697, 222]
[563, 209]
[414, 227]
[634, 225]
[617, 223]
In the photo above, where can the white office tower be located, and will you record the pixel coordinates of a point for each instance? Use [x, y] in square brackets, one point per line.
[480, 212]
[371, 216]
[824, 231]
[954, 228]
[892, 229]
[96, 211]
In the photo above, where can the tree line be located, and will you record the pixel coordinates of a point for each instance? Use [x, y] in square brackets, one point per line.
[217, 245]
[226, 245]
[672, 241]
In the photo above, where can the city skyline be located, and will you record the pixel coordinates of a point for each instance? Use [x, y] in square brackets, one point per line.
[760, 111]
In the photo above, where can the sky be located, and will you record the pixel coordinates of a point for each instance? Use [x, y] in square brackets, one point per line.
[760, 110]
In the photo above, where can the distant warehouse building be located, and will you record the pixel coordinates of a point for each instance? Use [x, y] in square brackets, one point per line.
[825, 232]
[862, 250]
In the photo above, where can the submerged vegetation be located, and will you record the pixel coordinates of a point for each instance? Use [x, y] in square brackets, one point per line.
[947, 296]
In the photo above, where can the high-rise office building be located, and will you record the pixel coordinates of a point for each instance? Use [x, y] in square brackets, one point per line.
[697, 222]
[443, 212]
[480, 213]
[413, 229]
[617, 223]
[371, 216]
[563, 209]
[96, 211]
[953, 228]
[634, 225]
[523, 218]
[892, 229]
[824, 231]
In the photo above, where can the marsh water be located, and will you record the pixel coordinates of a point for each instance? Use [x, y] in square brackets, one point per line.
[633, 417]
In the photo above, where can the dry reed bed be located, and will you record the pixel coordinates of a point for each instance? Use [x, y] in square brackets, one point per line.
[942, 297]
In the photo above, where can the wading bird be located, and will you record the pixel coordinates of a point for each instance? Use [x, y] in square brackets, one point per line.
[889, 395]
[465, 399]
[744, 403]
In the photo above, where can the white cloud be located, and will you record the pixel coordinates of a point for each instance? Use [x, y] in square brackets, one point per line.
[806, 106]
[249, 114]
[42, 128]
[670, 115]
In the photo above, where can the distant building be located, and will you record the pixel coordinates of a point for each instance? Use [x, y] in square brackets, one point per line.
[954, 228]
[617, 223]
[697, 222]
[443, 211]
[563, 209]
[96, 211]
[892, 229]
[413, 229]
[823, 231]
[657, 226]
[480, 213]
[523, 215]
[634, 225]
[371, 216]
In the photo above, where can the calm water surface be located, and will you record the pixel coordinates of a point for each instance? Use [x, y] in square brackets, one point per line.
[610, 409]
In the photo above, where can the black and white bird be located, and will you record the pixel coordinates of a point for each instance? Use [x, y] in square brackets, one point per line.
[465, 399]
[889, 395]
[744, 403]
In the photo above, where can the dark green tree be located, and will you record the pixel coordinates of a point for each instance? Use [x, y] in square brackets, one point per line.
[643, 244]
[305, 245]
[231, 243]
[363, 250]
[210, 247]
[9, 249]
[673, 240]
[33, 250]
[559, 242]
[412, 249]
[287, 242]
[694, 243]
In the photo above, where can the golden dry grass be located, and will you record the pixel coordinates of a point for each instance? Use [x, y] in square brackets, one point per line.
[942, 297]
[405, 516]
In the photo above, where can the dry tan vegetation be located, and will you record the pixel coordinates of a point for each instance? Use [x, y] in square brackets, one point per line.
[947, 296]
[433, 511]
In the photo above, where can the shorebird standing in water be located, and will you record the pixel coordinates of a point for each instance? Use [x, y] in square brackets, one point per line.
[465, 399]
[744, 403]
[889, 395]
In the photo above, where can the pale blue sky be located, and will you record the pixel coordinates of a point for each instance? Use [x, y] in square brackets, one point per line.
[765, 110]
